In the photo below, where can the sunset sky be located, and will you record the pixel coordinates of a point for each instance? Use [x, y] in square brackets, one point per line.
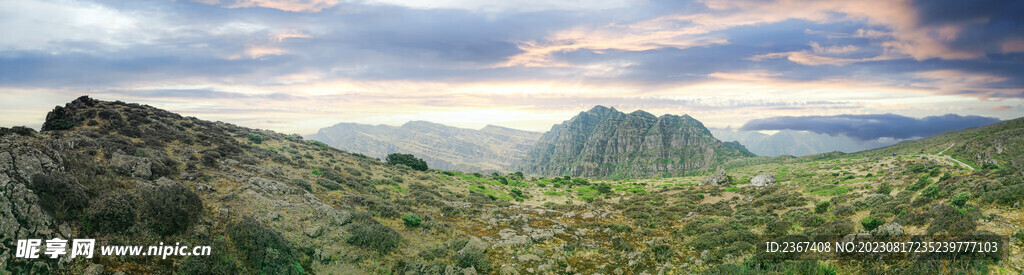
[299, 65]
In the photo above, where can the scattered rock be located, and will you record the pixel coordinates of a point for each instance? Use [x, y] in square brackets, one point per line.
[762, 180]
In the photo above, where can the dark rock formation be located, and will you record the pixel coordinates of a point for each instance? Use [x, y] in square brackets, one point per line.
[604, 142]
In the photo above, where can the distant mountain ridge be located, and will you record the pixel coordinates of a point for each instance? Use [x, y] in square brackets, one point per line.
[604, 142]
[492, 148]
[795, 143]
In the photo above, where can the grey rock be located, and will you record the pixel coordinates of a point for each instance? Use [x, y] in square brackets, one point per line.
[529, 258]
[508, 270]
[131, 165]
[270, 186]
[93, 269]
[891, 229]
[314, 231]
[762, 180]
[718, 179]
[323, 255]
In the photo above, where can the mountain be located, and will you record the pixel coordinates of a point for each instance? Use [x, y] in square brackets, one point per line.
[795, 143]
[492, 148]
[604, 142]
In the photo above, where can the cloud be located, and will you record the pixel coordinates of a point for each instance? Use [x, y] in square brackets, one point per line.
[870, 127]
[284, 5]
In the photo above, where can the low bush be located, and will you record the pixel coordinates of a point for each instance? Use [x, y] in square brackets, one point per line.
[411, 220]
[822, 207]
[870, 223]
[960, 199]
[60, 193]
[113, 213]
[374, 236]
[171, 208]
[256, 138]
[265, 250]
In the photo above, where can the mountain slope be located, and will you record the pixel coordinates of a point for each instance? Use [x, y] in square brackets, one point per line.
[1000, 144]
[794, 143]
[604, 142]
[442, 147]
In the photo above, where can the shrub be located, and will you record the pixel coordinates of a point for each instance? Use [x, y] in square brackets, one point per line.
[921, 183]
[317, 172]
[777, 228]
[171, 208]
[661, 252]
[931, 191]
[264, 248]
[946, 176]
[407, 160]
[960, 199]
[870, 223]
[256, 138]
[884, 188]
[843, 210]
[374, 236]
[60, 193]
[114, 213]
[411, 220]
[822, 207]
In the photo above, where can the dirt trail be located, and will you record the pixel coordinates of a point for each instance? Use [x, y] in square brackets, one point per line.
[953, 159]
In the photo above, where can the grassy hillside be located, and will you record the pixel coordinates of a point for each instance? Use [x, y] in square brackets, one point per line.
[277, 204]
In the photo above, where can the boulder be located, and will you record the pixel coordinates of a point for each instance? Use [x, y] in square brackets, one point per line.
[762, 180]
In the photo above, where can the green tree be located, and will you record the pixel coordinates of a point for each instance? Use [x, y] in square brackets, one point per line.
[407, 160]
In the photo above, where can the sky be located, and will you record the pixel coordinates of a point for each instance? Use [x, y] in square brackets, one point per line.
[295, 66]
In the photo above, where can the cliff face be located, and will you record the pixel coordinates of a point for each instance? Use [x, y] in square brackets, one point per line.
[442, 147]
[604, 142]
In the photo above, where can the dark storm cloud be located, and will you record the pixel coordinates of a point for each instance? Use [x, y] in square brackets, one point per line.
[870, 127]
[987, 23]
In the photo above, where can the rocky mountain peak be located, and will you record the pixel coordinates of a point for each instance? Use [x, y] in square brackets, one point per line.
[605, 142]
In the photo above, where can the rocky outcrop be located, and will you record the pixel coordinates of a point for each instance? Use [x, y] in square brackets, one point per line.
[762, 180]
[604, 142]
[131, 166]
[492, 148]
[718, 179]
[22, 216]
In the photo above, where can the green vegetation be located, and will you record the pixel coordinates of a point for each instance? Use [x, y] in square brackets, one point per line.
[172, 208]
[411, 220]
[960, 199]
[374, 236]
[256, 138]
[870, 223]
[407, 160]
[264, 249]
